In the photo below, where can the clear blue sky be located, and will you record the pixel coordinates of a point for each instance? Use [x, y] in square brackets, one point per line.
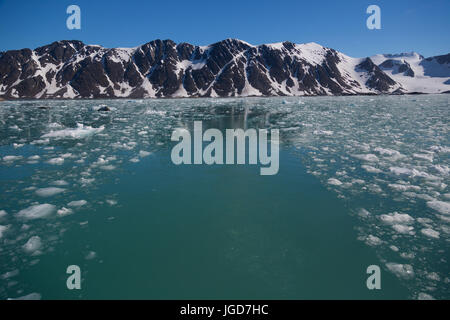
[407, 25]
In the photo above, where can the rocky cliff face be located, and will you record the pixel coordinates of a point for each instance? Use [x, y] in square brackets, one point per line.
[71, 69]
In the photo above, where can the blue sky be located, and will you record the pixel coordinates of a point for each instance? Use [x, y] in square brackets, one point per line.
[413, 25]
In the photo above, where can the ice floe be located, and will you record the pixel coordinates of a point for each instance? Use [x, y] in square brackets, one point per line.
[430, 233]
[50, 191]
[33, 244]
[440, 206]
[81, 131]
[78, 203]
[36, 211]
[404, 271]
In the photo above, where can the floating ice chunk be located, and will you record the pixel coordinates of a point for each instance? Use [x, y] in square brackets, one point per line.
[143, 154]
[85, 181]
[79, 132]
[404, 271]
[440, 206]
[424, 296]
[405, 255]
[400, 228]
[35, 157]
[387, 152]
[2, 230]
[366, 157]
[91, 255]
[424, 156]
[441, 169]
[111, 202]
[334, 182]
[373, 241]
[3, 213]
[56, 161]
[134, 160]
[54, 125]
[440, 149]
[40, 141]
[430, 233]
[64, 211]
[433, 276]
[371, 169]
[33, 244]
[36, 211]
[363, 213]
[31, 296]
[108, 167]
[396, 218]
[403, 187]
[323, 132]
[11, 158]
[50, 191]
[78, 203]
[9, 274]
[401, 171]
[60, 183]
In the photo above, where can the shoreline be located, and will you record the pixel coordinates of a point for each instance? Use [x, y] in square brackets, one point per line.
[2, 99]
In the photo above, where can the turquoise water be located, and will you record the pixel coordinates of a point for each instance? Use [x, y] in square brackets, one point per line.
[362, 181]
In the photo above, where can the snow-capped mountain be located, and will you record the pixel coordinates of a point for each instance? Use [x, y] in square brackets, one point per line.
[71, 69]
[415, 73]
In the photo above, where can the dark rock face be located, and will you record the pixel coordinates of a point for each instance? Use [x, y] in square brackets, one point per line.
[162, 68]
[441, 59]
[397, 67]
[377, 78]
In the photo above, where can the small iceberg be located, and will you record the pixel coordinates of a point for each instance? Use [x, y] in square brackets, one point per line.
[80, 132]
[36, 211]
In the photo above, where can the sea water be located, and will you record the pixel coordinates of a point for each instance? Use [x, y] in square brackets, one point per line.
[362, 181]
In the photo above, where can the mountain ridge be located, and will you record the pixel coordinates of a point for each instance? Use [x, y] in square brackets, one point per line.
[228, 68]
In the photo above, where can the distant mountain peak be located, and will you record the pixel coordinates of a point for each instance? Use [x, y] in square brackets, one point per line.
[231, 67]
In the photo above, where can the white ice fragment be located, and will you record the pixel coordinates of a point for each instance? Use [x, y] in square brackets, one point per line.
[373, 240]
[366, 157]
[33, 244]
[36, 211]
[11, 158]
[56, 161]
[64, 211]
[143, 154]
[396, 218]
[60, 183]
[430, 233]
[111, 202]
[79, 132]
[78, 203]
[31, 296]
[404, 271]
[91, 255]
[48, 192]
[400, 228]
[440, 206]
[334, 182]
[2, 230]
[371, 169]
